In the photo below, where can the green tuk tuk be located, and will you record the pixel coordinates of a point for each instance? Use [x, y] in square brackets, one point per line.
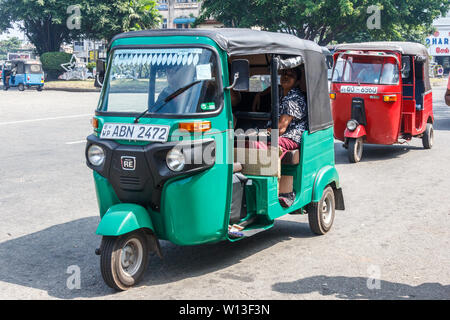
[168, 150]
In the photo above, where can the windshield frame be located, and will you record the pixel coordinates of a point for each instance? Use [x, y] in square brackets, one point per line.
[385, 60]
[219, 80]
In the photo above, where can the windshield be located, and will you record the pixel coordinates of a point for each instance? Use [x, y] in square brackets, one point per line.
[142, 79]
[33, 68]
[365, 70]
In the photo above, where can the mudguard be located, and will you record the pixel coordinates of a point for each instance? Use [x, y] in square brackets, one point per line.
[326, 176]
[359, 132]
[124, 218]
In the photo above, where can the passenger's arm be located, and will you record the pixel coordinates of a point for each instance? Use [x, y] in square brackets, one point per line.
[283, 123]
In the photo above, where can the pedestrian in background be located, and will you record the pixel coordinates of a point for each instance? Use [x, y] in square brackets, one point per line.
[447, 94]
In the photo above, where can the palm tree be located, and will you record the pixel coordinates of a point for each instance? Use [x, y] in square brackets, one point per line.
[141, 15]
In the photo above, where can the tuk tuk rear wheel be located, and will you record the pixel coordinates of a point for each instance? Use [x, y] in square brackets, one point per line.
[428, 137]
[321, 214]
[21, 87]
[124, 259]
[355, 150]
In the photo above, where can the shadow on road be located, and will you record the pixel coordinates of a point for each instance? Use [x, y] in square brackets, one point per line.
[352, 288]
[373, 152]
[442, 123]
[41, 260]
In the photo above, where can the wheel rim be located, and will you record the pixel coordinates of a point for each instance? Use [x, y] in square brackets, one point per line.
[131, 257]
[327, 210]
[431, 136]
[358, 149]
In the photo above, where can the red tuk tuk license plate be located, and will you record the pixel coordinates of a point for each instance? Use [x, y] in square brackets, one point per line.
[136, 132]
[360, 90]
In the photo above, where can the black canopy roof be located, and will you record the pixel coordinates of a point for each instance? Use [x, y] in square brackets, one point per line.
[240, 42]
[407, 48]
[236, 41]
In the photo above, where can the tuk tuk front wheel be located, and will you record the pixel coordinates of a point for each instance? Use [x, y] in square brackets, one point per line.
[428, 137]
[124, 259]
[21, 87]
[321, 214]
[355, 150]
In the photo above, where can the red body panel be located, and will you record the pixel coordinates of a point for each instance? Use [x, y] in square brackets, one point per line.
[359, 132]
[383, 118]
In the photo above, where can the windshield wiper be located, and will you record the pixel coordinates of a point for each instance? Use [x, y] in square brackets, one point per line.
[169, 98]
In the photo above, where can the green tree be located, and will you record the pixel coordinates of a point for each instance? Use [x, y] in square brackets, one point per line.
[104, 19]
[326, 21]
[9, 45]
[46, 22]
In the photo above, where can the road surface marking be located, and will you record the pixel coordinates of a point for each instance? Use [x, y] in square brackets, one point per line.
[45, 119]
[76, 142]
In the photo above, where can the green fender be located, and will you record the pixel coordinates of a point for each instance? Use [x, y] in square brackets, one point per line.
[325, 176]
[124, 218]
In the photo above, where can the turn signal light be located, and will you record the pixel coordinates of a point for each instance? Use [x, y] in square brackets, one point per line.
[95, 123]
[333, 96]
[202, 126]
[391, 98]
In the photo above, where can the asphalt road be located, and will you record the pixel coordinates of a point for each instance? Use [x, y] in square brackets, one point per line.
[391, 242]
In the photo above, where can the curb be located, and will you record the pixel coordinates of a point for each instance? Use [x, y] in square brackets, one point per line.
[72, 89]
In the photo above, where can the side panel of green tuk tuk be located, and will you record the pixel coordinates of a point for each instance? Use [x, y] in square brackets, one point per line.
[194, 209]
[314, 172]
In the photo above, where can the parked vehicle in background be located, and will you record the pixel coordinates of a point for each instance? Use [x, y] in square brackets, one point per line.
[22, 74]
[381, 93]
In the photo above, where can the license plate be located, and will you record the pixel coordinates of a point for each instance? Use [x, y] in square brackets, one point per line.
[359, 90]
[136, 132]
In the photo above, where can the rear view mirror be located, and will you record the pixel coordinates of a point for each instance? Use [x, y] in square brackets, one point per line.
[100, 72]
[240, 70]
[406, 66]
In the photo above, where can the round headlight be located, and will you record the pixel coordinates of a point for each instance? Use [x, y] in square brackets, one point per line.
[96, 155]
[352, 125]
[175, 159]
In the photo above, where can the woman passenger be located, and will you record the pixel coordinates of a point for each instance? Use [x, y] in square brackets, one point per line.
[293, 120]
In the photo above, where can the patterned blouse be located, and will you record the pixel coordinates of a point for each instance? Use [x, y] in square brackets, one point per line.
[294, 104]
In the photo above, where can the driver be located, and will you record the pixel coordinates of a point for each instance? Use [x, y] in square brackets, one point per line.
[177, 77]
[369, 74]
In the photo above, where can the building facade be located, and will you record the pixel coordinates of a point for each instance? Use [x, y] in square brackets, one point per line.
[178, 14]
[439, 43]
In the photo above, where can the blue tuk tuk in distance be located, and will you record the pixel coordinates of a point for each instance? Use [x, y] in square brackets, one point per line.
[23, 74]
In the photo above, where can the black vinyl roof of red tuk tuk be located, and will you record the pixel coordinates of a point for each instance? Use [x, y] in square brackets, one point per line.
[237, 41]
[406, 48]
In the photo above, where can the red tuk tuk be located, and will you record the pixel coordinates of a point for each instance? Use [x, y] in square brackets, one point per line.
[380, 94]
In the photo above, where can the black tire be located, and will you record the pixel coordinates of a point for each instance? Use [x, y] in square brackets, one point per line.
[112, 266]
[40, 88]
[428, 137]
[321, 214]
[21, 87]
[355, 150]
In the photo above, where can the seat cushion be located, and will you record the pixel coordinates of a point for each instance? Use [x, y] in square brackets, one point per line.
[292, 157]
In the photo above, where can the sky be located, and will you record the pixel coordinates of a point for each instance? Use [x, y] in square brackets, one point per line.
[13, 33]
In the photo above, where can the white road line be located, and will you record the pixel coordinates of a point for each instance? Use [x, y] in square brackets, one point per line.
[76, 142]
[45, 119]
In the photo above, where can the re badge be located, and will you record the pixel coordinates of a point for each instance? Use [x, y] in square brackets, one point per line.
[128, 163]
